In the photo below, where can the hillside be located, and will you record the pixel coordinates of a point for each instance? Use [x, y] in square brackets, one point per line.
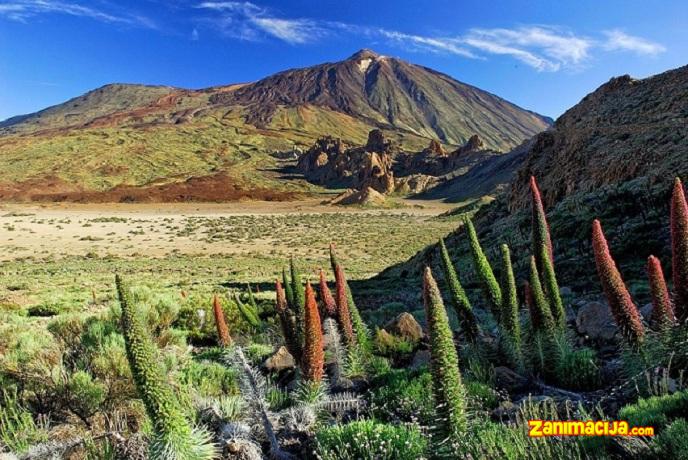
[157, 138]
[613, 156]
[625, 129]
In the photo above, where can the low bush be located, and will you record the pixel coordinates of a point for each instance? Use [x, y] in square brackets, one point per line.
[402, 395]
[368, 439]
[657, 410]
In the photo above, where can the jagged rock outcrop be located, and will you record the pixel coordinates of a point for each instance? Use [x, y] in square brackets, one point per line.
[328, 163]
[365, 197]
[382, 166]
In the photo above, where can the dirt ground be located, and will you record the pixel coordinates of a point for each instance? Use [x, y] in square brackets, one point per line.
[161, 229]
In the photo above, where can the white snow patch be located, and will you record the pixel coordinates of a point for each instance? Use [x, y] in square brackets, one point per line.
[363, 64]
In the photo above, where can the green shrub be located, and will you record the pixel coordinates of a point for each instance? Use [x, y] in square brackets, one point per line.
[656, 411]
[208, 378]
[391, 345]
[85, 395]
[68, 329]
[576, 369]
[481, 396]
[258, 352]
[672, 442]
[400, 395]
[367, 439]
[18, 429]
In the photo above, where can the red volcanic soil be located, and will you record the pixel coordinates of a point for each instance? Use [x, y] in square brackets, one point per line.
[214, 188]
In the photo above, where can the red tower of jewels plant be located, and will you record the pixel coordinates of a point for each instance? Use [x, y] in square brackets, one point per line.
[328, 303]
[343, 315]
[540, 227]
[679, 249]
[620, 302]
[223, 336]
[662, 311]
[313, 358]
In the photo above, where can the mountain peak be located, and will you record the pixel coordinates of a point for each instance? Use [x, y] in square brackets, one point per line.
[364, 53]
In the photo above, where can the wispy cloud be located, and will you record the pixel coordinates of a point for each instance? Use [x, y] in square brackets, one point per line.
[448, 45]
[24, 10]
[248, 21]
[541, 47]
[617, 40]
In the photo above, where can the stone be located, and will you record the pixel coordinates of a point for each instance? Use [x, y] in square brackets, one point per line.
[405, 326]
[420, 359]
[280, 360]
[646, 312]
[565, 291]
[595, 320]
[505, 411]
[509, 380]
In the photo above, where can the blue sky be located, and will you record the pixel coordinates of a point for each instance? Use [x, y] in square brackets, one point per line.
[541, 55]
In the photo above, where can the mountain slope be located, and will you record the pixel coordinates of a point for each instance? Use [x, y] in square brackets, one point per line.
[390, 92]
[613, 157]
[625, 129]
[82, 109]
[148, 136]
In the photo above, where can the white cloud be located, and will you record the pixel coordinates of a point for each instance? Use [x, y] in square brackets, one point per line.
[449, 45]
[248, 21]
[618, 40]
[542, 47]
[23, 10]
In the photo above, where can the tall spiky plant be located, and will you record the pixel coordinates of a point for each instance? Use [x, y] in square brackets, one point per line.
[541, 314]
[224, 339]
[247, 312]
[287, 322]
[286, 283]
[618, 297]
[540, 227]
[510, 320]
[484, 271]
[297, 288]
[662, 311]
[679, 249]
[313, 358]
[173, 436]
[448, 390]
[299, 300]
[551, 288]
[529, 299]
[460, 301]
[359, 326]
[329, 306]
[343, 315]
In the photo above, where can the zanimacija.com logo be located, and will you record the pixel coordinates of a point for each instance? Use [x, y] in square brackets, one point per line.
[543, 428]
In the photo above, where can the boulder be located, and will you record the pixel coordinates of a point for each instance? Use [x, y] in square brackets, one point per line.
[420, 359]
[280, 360]
[405, 326]
[509, 380]
[646, 312]
[595, 320]
[366, 197]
